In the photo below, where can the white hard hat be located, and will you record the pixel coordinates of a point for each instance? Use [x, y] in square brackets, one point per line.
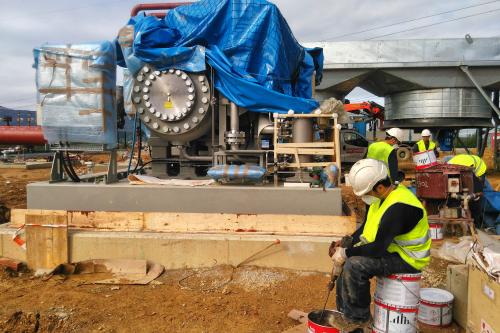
[396, 132]
[426, 132]
[365, 174]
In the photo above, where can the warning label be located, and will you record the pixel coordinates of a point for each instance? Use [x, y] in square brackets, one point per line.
[168, 105]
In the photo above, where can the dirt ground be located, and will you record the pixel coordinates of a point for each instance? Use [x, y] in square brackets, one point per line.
[13, 185]
[255, 299]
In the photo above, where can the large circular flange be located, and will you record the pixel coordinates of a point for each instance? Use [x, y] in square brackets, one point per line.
[172, 103]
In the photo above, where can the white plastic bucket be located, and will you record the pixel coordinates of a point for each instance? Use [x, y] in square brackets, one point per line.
[399, 289]
[424, 159]
[436, 230]
[394, 318]
[436, 307]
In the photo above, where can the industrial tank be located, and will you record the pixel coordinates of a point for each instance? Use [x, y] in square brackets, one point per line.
[445, 107]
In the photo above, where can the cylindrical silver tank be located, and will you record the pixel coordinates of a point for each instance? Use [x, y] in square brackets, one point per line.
[447, 107]
[302, 131]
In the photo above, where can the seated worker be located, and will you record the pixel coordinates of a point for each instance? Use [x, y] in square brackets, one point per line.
[426, 143]
[394, 238]
[385, 151]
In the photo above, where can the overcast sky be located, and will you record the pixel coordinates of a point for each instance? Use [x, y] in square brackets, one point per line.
[30, 23]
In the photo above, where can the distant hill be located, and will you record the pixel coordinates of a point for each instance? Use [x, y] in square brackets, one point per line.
[24, 116]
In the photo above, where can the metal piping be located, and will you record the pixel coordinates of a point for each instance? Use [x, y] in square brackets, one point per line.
[22, 135]
[155, 6]
[234, 123]
[184, 154]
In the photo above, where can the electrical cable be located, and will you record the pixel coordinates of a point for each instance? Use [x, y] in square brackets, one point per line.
[406, 21]
[71, 169]
[434, 24]
[66, 169]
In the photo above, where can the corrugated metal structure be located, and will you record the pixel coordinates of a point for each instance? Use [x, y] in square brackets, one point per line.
[425, 82]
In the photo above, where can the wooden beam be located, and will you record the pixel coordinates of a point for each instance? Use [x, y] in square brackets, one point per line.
[46, 240]
[308, 164]
[305, 115]
[202, 222]
[306, 151]
[306, 145]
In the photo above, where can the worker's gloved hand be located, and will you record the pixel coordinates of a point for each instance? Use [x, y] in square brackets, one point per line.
[346, 242]
[339, 257]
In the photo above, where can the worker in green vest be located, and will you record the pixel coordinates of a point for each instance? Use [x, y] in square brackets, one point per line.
[385, 151]
[394, 238]
[425, 143]
[479, 169]
[471, 161]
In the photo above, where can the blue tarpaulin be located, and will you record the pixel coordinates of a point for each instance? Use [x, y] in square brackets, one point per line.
[257, 62]
[491, 207]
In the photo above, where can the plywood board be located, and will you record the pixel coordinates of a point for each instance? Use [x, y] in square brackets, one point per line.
[484, 302]
[46, 241]
[457, 277]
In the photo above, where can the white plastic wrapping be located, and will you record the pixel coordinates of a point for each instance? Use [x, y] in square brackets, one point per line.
[77, 93]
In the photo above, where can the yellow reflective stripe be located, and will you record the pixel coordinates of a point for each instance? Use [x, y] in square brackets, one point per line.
[416, 254]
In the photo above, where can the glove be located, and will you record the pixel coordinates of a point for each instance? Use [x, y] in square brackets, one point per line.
[339, 257]
[346, 242]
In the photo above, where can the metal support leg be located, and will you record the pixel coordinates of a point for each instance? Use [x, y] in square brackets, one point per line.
[57, 170]
[112, 174]
[487, 98]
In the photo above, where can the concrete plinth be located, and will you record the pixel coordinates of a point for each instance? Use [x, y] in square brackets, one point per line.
[186, 250]
[123, 197]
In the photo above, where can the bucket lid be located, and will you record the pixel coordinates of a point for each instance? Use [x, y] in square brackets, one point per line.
[435, 295]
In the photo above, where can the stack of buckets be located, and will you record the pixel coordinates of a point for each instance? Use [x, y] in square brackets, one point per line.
[399, 301]
[396, 303]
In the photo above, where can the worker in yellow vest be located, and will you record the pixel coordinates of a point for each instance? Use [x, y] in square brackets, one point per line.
[471, 161]
[385, 151]
[425, 143]
[479, 168]
[394, 238]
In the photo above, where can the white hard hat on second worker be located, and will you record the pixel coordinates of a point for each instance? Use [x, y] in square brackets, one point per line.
[365, 174]
[426, 132]
[396, 132]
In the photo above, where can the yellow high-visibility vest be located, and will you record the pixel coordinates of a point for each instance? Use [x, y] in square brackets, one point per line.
[380, 151]
[421, 145]
[471, 161]
[413, 247]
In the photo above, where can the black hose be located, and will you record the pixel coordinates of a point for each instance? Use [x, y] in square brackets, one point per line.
[71, 169]
[66, 169]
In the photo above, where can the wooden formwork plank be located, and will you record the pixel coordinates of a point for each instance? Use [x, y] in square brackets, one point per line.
[284, 224]
[46, 240]
[202, 222]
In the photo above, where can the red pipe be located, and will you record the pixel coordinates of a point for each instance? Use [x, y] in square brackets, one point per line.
[21, 135]
[156, 6]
